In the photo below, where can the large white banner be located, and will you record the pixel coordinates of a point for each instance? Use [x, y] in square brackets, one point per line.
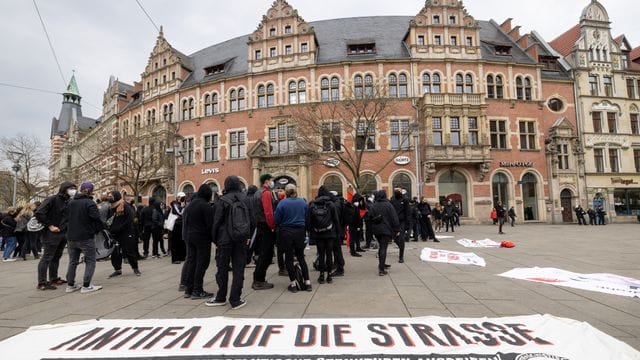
[534, 337]
[452, 257]
[486, 243]
[606, 283]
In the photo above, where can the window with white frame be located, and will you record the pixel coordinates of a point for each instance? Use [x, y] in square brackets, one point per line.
[187, 150]
[607, 82]
[136, 126]
[614, 160]
[473, 130]
[563, 156]
[258, 55]
[596, 118]
[358, 87]
[282, 139]
[233, 100]
[612, 122]
[237, 145]
[399, 134]
[528, 90]
[593, 84]
[598, 158]
[498, 132]
[271, 98]
[398, 85]
[527, 135]
[635, 124]
[436, 126]
[210, 147]
[288, 49]
[459, 83]
[262, 96]
[297, 92]
[454, 130]
[331, 136]
[242, 102]
[304, 47]
[365, 135]
[330, 89]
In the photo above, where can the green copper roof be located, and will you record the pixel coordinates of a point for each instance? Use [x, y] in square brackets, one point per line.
[72, 88]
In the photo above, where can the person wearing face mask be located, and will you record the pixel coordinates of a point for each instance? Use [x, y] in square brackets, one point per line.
[178, 247]
[401, 205]
[357, 225]
[122, 231]
[51, 214]
[266, 235]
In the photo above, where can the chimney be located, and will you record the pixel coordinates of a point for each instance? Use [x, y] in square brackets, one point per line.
[514, 34]
[506, 25]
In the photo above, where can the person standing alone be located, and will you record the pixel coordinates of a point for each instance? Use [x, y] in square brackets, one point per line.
[122, 230]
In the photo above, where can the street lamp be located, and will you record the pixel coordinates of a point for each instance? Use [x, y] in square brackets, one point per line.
[415, 127]
[176, 151]
[16, 168]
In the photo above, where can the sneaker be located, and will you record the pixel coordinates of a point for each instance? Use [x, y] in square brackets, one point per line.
[382, 272]
[137, 272]
[71, 288]
[198, 295]
[261, 285]
[308, 287]
[355, 254]
[292, 288]
[386, 266]
[182, 287]
[213, 302]
[46, 286]
[9, 260]
[240, 304]
[90, 288]
[401, 261]
[58, 281]
[283, 272]
[115, 273]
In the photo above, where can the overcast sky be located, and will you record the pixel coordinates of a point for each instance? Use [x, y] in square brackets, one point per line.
[102, 38]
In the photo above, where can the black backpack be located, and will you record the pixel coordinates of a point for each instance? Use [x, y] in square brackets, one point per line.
[321, 219]
[238, 221]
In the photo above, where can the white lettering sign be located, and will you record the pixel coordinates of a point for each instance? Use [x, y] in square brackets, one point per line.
[331, 162]
[210, 171]
[526, 164]
[402, 160]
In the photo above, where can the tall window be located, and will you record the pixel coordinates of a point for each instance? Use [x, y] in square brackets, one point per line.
[593, 85]
[210, 147]
[258, 54]
[304, 47]
[207, 105]
[330, 89]
[608, 85]
[288, 49]
[273, 52]
[167, 112]
[528, 90]
[527, 135]
[271, 98]
[598, 157]
[358, 87]
[368, 86]
[214, 104]
[635, 124]
[519, 88]
[331, 137]
[563, 157]
[498, 130]
[297, 92]
[136, 126]
[242, 103]
[426, 83]
[459, 84]
[473, 130]
[454, 128]
[431, 83]
[237, 145]
[437, 40]
[436, 84]
[233, 100]
[613, 160]
[596, 117]
[500, 187]
[453, 41]
[468, 83]
[420, 39]
[436, 125]
[282, 139]
[612, 122]
[185, 109]
[153, 115]
[399, 133]
[636, 159]
[491, 87]
[262, 97]
[125, 128]
[398, 85]
[499, 87]
[365, 136]
[631, 88]
[192, 108]
[187, 150]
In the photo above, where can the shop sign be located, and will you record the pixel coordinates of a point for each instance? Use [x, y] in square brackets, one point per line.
[402, 160]
[524, 164]
[332, 162]
[209, 171]
[623, 181]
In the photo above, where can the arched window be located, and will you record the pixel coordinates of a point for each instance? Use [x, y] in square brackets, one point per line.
[302, 92]
[459, 84]
[499, 87]
[530, 196]
[214, 187]
[527, 89]
[242, 103]
[393, 85]
[298, 92]
[402, 85]
[368, 86]
[358, 87]
[436, 84]
[185, 109]
[293, 92]
[149, 117]
[207, 105]
[398, 85]
[468, 84]
[333, 183]
[367, 183]
[500, 187]
[188, 190]
[262, 97]
[519, 88]
[153, 115]
[214, 104]
[160, 194]
[192, 108]
[403, 181]
[491, 87]
[335, 88]
[324, 89]
[271, 95]
[426, 83]
[233, 100]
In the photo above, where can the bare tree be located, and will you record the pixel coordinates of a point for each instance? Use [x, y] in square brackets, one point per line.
[6, 189]
[345, 130]
[31, 155]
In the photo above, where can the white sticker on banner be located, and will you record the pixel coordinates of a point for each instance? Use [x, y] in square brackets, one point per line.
[486, 243]
[451, 257]
[426, 338]
[605, 283]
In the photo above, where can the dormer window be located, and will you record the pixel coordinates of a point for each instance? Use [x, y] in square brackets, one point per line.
[288, 29]
[258, 54]
[503, 50]
[272, 32]
[452, 20]
[213, 70]
[436, 19]
[362, 49]
[420, 39]
[549, 63]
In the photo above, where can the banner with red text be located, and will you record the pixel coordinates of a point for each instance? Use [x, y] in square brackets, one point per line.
[452, 257]
[427, 338]
[605, 283]
[486, 243]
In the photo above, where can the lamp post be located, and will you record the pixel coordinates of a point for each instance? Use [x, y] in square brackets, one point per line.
[16, 168]
[416, 144]
[176, 152]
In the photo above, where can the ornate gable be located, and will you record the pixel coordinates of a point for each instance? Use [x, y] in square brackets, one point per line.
[280, 11]
[165, 70]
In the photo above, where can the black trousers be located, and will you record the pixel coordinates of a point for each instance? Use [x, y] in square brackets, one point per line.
[449, 221]
[401, 239]
[338, 258]
[178, 248]
[197, 263]
[325, 260]
[156, 233]
[146, 236]
[291, 241]
[236, 253]
[126, 246]
[266, 240]
[50, 259]
[30, 244]
[383, 242]
[368, 234]
[355, 235]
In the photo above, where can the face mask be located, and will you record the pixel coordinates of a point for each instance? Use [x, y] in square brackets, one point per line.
[403, 192]
[356, 204]
[272, 185]
[371, 198]
[71, 192]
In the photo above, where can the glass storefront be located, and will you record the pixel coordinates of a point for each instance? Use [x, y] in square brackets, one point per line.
[627, 202]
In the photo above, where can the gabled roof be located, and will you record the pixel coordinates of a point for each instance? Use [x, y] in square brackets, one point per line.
[565, 42]
[635, 54]
[619, 39]
[491, 35]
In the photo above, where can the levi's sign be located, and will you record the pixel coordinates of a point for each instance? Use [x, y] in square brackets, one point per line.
[210, 171]
[525, 164]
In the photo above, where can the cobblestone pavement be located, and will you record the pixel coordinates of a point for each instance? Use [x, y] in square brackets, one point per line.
[414, 288]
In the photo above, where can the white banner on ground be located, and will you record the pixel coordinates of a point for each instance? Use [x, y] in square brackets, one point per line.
[605, 283]
[535, 337]
[452, 257]
[486, 243]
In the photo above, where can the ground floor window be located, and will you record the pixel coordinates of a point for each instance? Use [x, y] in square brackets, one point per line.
[627, 202]
[453, 186]
[500, 187]
[188, 190]
[368, 183]
[333, 183]
[160, 194]
[530, 196]
[402, 181]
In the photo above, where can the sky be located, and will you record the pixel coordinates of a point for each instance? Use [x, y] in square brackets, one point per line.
[100, 38]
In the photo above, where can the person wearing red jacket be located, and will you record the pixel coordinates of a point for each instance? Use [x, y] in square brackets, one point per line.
[266, 232]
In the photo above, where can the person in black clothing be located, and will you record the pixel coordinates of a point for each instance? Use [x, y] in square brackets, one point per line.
[122, 231]
[178, 247]
[512, 216]
[356, 225]
[228, 249]
[51, 214]
[8, 232]
[197, 219]
[157, 227]
[401, 205]
[324, 236]
[266, 232]
[500, 213]
[146, 225]
[580, 213]
[84, 223]
[251, 200]
[385, 225]
[424, 211]
[448, 215]
[368, 234]
[414, 221]
[338, 259]
[592, 216]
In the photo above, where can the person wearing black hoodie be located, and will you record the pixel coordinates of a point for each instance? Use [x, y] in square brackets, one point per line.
[157, 227]
[403, 210]
[197, 219]
[8, 232]
[122, 231]
[385, 224]
[51, 214]
[228, 249]
[324, 236]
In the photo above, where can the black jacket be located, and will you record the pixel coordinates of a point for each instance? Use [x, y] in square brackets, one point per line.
[52, 211]
[221, 237]
[7, 226]
[84, 219]
[335, 232]
[402, 207]
[197, 217]
[389, 224]
[122, 225]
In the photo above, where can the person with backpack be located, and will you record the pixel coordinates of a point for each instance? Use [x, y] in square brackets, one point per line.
[121, 229]
[231, 232]
[291, 215]
[266, 232]
[403, 210]
[197, 220]
[324, 228]
[385, 225]
[51, 214]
